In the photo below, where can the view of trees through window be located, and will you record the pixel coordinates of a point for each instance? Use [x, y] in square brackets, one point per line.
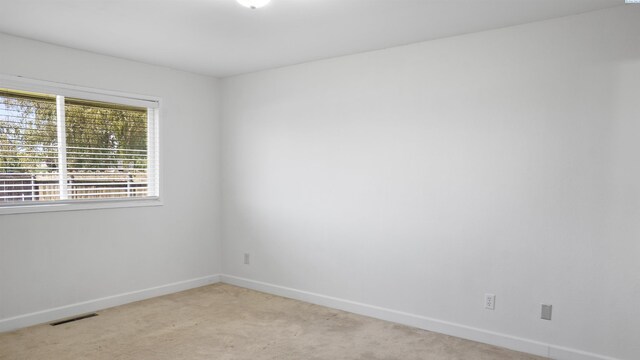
[105, 152]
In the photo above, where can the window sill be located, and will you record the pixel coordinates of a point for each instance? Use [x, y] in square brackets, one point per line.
[78, 205]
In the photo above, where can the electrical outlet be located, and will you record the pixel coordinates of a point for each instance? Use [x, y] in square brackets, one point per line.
[247, 259]
[546, 312]
[490, 301]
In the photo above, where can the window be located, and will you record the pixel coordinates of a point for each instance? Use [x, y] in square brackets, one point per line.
[64, 146]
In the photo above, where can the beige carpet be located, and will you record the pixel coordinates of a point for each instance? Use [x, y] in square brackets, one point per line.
[227, 322]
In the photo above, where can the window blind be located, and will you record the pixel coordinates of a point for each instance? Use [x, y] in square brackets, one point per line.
[59, 148]
[29, 168]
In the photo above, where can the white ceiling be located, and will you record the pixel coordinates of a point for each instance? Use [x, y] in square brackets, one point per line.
[222, 38]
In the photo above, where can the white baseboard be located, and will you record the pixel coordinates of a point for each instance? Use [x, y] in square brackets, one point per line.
[563, 353]
[48, 315]
[421, 322]
[418, 321]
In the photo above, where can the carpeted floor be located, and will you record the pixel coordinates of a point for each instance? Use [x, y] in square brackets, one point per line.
[226, 322]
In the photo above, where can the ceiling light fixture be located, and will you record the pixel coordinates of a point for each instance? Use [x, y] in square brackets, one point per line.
[253, 4]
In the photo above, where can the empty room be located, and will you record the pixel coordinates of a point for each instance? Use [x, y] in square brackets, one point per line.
[320, 179]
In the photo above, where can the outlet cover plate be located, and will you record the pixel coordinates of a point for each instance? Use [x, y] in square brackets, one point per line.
[490, 301]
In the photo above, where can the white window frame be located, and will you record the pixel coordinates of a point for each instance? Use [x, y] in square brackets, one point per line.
[118, 97]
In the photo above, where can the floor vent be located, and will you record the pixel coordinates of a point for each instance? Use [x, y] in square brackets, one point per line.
[73, 319]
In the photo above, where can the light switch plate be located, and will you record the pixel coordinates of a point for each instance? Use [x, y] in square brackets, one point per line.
[546, 312]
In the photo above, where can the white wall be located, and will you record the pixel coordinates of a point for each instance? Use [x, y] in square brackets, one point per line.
[48, 260]
[420, 177]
